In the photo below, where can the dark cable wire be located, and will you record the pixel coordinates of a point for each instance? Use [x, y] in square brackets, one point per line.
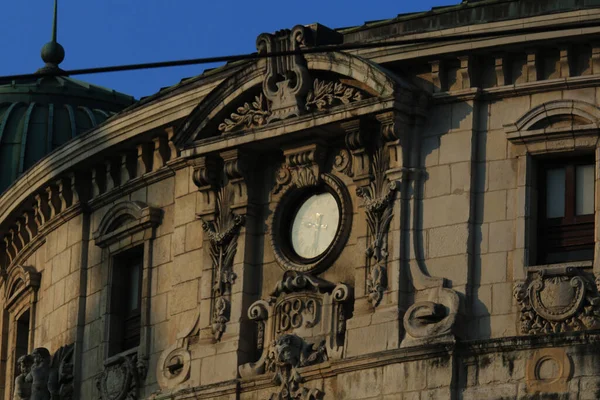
[309, 50]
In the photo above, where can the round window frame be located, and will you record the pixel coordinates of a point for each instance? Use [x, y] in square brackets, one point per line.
[290, 202]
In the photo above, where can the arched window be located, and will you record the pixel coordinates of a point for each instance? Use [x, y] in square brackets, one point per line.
[125, 235]
[18, 322]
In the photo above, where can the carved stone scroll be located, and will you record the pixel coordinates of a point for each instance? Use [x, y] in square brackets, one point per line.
[302, 323]
[223, 234]
[556, 301]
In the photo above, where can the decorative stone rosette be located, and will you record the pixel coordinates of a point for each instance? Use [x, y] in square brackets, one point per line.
[557, 301]
[302, 323]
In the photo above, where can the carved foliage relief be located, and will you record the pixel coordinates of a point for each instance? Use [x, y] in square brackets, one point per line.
[223, 233]
[552, 302]
[378, 199]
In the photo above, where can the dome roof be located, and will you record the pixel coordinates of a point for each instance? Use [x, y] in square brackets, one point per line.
[40, 114]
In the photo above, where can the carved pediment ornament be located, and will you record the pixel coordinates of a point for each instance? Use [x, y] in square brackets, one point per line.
[223, 234]
[557, 301]
[259, 111]
[286, 89]
[302, 323]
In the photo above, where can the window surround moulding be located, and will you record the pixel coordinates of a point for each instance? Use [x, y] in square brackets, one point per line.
[31, 282]
[537, 125]
[141, 217]
[533, 135]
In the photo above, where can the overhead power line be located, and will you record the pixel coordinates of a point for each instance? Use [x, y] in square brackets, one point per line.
[308, 50]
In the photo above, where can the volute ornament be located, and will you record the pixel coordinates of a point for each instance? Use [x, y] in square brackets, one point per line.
[557, 301]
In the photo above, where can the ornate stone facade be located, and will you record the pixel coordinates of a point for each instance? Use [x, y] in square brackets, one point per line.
[364, 224]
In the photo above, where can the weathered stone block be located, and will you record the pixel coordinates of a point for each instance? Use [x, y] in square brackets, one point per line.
[360, 384]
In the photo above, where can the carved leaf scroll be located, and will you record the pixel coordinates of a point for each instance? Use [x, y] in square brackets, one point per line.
[325, 94]
[248, 115]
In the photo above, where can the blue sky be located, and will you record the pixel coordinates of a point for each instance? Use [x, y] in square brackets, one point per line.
[109, 32]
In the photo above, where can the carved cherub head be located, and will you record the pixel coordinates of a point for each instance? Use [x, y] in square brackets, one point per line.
[288, 350]
[25, 362]
[41, 356]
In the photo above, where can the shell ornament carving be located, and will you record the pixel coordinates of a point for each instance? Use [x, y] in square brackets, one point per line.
[558, 303]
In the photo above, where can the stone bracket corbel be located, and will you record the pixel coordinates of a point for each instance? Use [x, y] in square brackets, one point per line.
[236, 165]
[206, 176]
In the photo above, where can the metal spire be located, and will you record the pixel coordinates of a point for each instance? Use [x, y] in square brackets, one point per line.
[54, 23]
[52, 52]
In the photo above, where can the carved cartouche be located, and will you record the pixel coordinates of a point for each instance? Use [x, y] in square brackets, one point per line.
[22, 386]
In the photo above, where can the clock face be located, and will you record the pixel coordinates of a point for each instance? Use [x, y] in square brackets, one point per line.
[315, 225]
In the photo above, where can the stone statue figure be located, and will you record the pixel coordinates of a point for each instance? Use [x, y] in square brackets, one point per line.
[22, 387]
[39, 374]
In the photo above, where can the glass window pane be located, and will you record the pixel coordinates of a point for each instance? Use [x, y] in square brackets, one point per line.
[134, 286]
[555, 193]
[584, 196]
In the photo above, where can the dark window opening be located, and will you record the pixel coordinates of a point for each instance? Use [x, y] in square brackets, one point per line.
[126, 298]
[566, 210]
[22, 340]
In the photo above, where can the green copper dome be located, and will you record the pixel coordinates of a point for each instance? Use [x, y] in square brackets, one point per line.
[38, 115]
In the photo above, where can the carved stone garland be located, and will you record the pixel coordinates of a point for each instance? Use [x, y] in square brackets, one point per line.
[122, 378]
[44, 376]
[301, 324]
[378, 200]
[223, 235]
[557, 301]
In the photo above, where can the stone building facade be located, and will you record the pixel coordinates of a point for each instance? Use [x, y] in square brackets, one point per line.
[404, 221]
